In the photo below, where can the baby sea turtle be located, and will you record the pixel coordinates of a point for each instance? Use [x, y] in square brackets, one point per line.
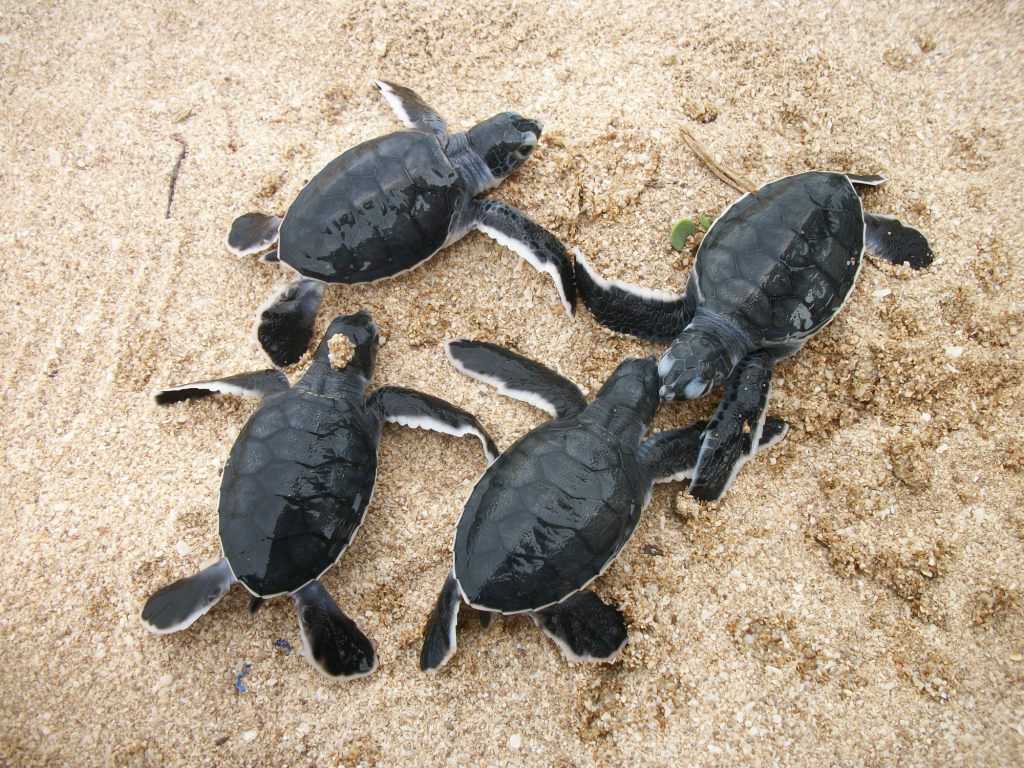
[770, 273]
[389, 204]
[554, 510]
[295, 491]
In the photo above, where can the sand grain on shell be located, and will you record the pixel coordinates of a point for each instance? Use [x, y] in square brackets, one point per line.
[855, 600]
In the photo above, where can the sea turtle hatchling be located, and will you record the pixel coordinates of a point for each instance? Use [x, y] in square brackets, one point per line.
[556, 508]
[773, 269]
[389, 204]
[296, 487]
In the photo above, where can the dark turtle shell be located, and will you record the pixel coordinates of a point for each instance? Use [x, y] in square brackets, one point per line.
[295, 489]
[782, 260]
[379, 209]
[547, 517]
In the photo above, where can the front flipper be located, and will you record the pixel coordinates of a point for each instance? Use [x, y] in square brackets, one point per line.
[411, 109]
[178, 605]
[253, 233]
[734, 429]
[257, 384]
[287, 320]
[866, 179]
[417, 409]
[544, 252]
[439, 642]
[626, 308]
[331, 641]
[671, 455]
[584, 627]
[516, 376]
[895, 242]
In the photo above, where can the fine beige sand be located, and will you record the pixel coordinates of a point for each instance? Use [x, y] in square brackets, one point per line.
[856, 600]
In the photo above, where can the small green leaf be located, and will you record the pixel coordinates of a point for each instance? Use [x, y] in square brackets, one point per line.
[705, 222]
[681, 230]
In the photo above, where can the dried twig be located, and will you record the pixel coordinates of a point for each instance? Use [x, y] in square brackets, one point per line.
[730, 177]
[174, 173]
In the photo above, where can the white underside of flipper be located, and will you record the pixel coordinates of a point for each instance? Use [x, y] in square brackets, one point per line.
[678, 477]
[436, 425]
[524, 251]
[394, 102]
[648, 294]
[220, 387]
[531, 398]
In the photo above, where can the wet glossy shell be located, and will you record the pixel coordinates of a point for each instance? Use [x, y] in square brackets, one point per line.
[379, 209]
[547, 517]
[782, 260]
[295, 489]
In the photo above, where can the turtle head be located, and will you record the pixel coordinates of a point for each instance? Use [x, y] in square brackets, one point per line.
[360, 353]
[695, 363]
[504, 141]
[633, 387]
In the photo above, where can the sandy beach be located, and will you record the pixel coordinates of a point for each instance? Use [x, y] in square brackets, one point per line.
[855, 600]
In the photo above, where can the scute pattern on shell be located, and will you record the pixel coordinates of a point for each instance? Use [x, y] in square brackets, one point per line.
[781, 260]
[295, 489]
[376, 210]
[575, 499]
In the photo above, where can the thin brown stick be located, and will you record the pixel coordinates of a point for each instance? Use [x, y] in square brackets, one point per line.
[174, 173]
[730, 177]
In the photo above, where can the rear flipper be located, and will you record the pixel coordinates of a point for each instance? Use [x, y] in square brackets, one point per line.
[895, 242]
[734, 429]
[287, 320]
[417, 409]
[584, 627]
[178, 605]
[257, 384]
[331, 641]
[439, 635]
[516, 376]
[672, 455]
[625, 308]
[529, 240]
[254, 233]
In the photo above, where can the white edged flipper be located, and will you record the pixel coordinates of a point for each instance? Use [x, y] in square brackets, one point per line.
[626, 308]
[672, 455]
[253, 233]
[584, 627]
[410, 408]
[178, 605]
[866, 179]
[411, 109]
[516, 376]
[257, 384]
[331, 641]
[439, 643]
[529, 240]
[735, 427]
[894, 241]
